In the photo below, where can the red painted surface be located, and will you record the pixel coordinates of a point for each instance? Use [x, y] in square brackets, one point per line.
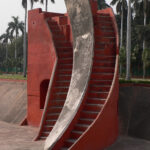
[95, 125]
[61, 33]
[50, 51]
[41, 60]
[104, 129]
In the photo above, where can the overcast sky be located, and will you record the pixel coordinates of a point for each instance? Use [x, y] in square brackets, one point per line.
[10, 8]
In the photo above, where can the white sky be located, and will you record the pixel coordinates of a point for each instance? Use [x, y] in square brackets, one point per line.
[10, 8]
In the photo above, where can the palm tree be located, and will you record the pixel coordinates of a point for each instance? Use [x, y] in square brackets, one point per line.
[122, 60]
[121, 6]
[102, 4]
[25, 4]
[13, 28]
[142, 6]
[128, 46]
[46, 3]
[5, 39]
[145, 59]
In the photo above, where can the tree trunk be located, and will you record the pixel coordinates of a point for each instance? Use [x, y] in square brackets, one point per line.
[121, 30]
[16, 52]
[46, 5]
[25, 46]
[144, 45]
[120, 70]
[6, 58]
[16, 47]
[144, 70]
[128, 47]
[6, 52]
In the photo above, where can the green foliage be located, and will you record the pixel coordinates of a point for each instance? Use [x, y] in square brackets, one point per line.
[140, 32]
[137, 81]
[102, 4]
[9, 64]
[122, 55]
[119, 4]
[12, 76]
[146, 57]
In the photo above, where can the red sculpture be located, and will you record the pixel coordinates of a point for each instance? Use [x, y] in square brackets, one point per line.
[79, 115]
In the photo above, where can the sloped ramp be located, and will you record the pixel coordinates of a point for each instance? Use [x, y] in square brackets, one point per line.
[13, 101]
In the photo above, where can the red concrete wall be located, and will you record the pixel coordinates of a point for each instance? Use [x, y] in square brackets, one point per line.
[41, 59]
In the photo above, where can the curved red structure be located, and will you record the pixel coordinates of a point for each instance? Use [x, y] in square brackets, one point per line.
[95, 125]
[49, 59]
[80, 109]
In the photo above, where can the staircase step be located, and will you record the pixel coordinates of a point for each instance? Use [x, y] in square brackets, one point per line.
[102, 18]
[54, 109]
[61, 89]
[58, 27]
[102, 27]
[61, 20]
[59, 38]
[47, 128]
[65, 148]
[101, 88]
[108, 76]
[65, 55]
[103, 64]
[65, 71]
[69, 142]
[103, 14]
[101, 82]
[104, 33]
[52, 22]
[50, 123]
[58, 33]
[42, 138]
[62, 83]
[106, 51]
[94, 94]
[81, 127]
[105, 39]
[65, 49]
[102, 24]
[64, 77]
[85, 121]
[63, 44]
[52, 116]
[102, 69]
[75, 134]
[44, 134]
[58, 102]
[89, 114]
[66, 61]
[101, 46]
[64, 66]
[92, 107]
[96, 100]
[105, 58]
[60, 95]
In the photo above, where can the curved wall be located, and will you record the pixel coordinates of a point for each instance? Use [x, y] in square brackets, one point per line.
[134, 110]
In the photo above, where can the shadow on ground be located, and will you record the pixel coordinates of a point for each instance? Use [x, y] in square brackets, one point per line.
[128, 143]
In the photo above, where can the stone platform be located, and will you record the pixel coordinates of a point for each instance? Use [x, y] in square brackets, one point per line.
[15, 137]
